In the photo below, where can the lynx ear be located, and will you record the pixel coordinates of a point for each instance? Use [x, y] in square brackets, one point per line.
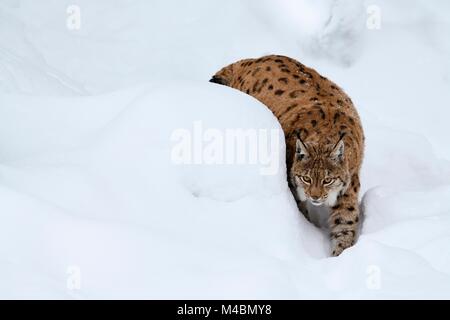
[300, 150]
[338, 152]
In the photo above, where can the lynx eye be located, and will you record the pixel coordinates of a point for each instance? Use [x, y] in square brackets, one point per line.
[328, 181]
[306, 179]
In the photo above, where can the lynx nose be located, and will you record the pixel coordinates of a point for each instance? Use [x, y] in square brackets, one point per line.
[316, 201]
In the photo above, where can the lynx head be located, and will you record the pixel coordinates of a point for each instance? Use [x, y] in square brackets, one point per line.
[319, 171]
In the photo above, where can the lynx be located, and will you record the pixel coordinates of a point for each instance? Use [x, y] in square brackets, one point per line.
[323, 132]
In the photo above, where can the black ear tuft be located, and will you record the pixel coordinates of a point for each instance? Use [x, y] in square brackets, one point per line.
[337, 153]
[300, 150]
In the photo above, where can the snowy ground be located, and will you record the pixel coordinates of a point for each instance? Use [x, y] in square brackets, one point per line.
[92, 205]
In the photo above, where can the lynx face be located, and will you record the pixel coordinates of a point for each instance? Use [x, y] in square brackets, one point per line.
[320, 175]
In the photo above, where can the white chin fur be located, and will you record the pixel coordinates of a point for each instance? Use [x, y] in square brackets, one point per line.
[301, 194]
[317, 204]
[332, 198]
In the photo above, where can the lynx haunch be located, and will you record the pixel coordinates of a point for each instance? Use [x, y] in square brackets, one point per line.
[324, 136]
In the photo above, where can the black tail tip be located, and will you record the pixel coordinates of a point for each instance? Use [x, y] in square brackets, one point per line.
[216, 79]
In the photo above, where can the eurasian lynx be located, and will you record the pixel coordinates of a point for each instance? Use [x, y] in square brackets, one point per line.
[324, 136]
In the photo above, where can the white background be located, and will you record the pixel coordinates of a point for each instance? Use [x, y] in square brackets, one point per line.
[92, 207]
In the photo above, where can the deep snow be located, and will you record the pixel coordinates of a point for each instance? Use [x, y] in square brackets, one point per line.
[92, 205]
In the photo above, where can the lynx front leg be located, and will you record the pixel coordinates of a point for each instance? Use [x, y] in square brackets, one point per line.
[344, 219]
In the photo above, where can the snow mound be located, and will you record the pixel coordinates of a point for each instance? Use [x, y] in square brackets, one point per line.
[163, 230]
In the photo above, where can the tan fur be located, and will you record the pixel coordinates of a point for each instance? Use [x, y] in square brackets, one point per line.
[315, 115]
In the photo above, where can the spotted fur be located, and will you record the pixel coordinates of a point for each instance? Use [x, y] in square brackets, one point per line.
[324, 136]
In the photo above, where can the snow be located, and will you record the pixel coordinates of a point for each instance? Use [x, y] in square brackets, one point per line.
[93, 206]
